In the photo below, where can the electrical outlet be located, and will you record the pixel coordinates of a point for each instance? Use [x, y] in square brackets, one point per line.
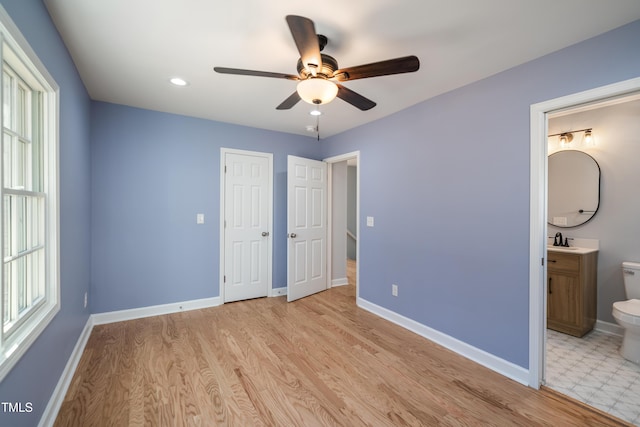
[85, 300]
[394, 290]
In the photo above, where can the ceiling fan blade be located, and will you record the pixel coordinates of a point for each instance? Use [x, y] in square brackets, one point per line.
[304, 34]
[406, 64]
[354, 98]
[240, 72]
[289, 102]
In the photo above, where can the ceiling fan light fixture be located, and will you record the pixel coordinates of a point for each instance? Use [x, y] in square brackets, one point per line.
[316, 90]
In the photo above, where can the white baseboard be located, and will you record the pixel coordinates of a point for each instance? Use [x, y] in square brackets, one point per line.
[154, 310]
[339, 282]
[277, 292]
[501, 366]
[55, 402]
[609, 328]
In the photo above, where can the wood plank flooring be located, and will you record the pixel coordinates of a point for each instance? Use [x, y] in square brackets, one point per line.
[319, 361]
[351, 271]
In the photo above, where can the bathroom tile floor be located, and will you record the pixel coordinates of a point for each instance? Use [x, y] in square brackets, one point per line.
[591, 370]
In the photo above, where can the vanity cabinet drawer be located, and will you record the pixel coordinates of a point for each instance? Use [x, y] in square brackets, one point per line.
[563, 262]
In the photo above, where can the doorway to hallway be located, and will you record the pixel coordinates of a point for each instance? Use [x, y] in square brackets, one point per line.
[344, 200]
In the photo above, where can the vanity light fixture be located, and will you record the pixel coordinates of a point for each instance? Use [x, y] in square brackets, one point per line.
[588, 138]
[567, 137]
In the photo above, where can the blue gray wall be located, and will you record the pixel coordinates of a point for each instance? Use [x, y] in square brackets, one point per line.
[151, 173]
[447, 182]
[36, 374]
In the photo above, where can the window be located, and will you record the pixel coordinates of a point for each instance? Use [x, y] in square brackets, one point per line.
[29, 285]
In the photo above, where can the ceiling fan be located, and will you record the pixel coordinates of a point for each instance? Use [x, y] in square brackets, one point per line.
[318, 74]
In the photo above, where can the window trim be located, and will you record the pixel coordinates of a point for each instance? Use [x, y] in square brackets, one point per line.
[19, 341]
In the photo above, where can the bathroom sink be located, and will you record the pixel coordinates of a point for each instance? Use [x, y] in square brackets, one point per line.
[571, 249]
[563, 248]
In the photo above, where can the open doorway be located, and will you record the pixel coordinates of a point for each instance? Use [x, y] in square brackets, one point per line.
[541, 114]
[344, 226]
[596, 373]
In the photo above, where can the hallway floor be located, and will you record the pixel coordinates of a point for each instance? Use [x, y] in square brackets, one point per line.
[591, 370]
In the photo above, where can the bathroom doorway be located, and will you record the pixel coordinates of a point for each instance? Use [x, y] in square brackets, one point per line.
[544, 345]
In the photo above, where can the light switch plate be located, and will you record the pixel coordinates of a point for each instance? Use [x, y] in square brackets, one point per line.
[559, 220]
[200, 218]
[369, 221]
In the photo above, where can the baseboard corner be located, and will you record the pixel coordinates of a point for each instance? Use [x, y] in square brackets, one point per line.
[278, 292]
[609, 328]
[339, 282]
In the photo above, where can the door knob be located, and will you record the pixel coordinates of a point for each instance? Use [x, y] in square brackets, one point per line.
[265, 233]
[293, 235]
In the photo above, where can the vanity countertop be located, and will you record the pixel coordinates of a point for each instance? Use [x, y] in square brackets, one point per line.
[578, 246]
[571, 249]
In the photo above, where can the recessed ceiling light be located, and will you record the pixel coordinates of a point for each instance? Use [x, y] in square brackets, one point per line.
[315, 112]
[178, 81]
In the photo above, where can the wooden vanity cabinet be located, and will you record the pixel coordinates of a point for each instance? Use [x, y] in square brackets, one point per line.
[571, 292]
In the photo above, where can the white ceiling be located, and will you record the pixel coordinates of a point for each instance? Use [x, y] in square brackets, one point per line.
[126, 50]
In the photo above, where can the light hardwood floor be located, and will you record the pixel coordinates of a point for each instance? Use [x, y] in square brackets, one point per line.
[319, 361]
[351, 271]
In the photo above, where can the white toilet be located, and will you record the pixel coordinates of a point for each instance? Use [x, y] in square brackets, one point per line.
[627, 313]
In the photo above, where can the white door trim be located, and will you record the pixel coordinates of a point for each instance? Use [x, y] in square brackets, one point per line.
[331, 161]
[221, 266]
[538, 209]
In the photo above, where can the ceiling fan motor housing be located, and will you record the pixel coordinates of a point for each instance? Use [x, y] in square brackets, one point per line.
[329, 66]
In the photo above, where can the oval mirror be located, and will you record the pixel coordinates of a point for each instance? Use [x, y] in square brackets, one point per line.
[574, 188]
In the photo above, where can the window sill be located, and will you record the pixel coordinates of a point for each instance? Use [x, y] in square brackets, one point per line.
[20, 344]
